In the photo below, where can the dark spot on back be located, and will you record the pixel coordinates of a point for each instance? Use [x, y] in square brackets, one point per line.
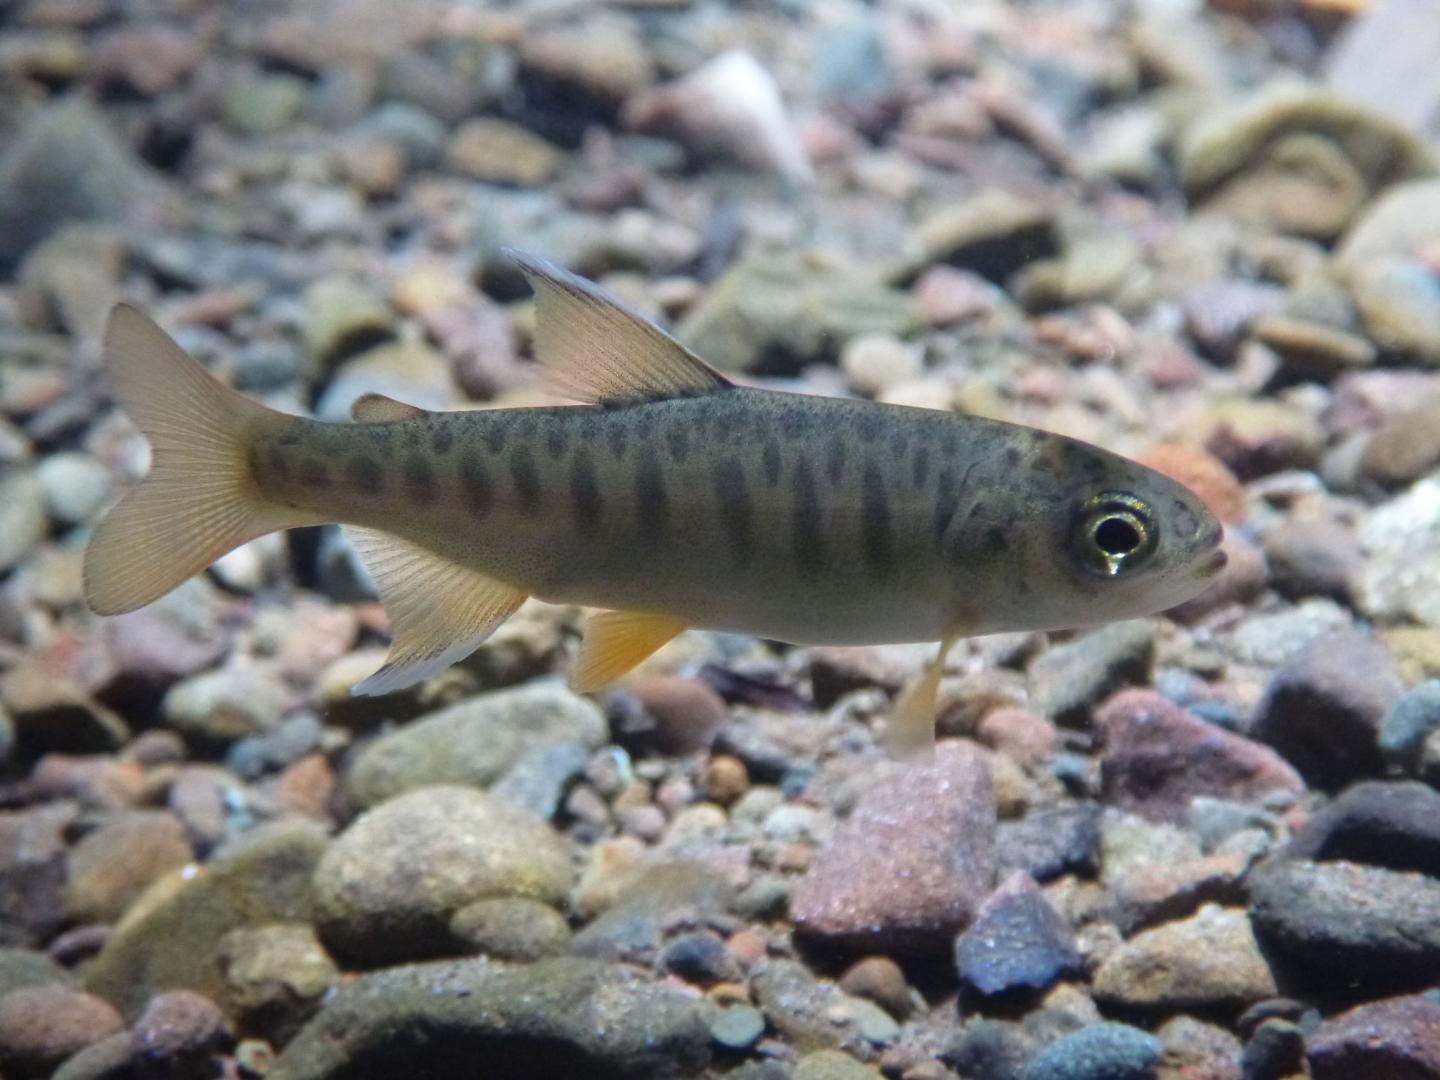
[442, 438]
[835, 458]
[616, 434]
[556, 440]
[677, 439]
[808, 532]
[313, 473]
[476, 484]
[995, 539]
[652, 506]
[290, 437]
[899, 441]
[951, 440]
[419, 479]
[495, 432]
[875, 525]
[920, 466]
[524, 477]
[584, 491]
[367, 476]
[947, 498]
[1012, 456]
[771, 461]
[410, 434]
[868, 425]
[733, 495]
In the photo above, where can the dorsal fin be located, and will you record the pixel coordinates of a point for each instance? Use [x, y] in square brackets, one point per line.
[595, 349]
[379, 409]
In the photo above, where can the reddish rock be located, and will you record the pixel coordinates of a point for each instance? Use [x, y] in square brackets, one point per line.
[114, 863]
[307, 786]
[910, 867]
[686, 712]
[1394, 1039]
[41, 1026]
[1020, 734]
[1204, 474]
[32, 871]
[1157, 757]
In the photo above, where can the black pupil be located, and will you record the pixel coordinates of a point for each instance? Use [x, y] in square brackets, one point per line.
[1116, 536]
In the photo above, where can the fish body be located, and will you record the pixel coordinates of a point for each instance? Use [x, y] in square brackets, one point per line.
[669, 496]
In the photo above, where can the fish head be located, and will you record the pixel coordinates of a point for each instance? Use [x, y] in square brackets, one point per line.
[1114, 540]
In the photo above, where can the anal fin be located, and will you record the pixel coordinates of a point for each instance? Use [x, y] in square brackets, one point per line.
[910, 735]
[440, 611]
[615, 641]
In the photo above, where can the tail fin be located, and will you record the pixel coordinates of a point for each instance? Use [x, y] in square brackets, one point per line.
[199, 500]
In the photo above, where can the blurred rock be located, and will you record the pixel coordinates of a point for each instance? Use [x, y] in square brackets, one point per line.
[1156, 757]
[1398, 301]
[1254, 437]
[496, 152]
[52, 714]
[180, 1033]
[1310, 349]
[1070, 680]
[511, 928]
[112, 865]
[684, 713]
[1397, 1037]
[1313, 558]
[388, 886]
[634, 925]
[1406, 445]
[1403, 222]
[1050, 841]
[41, 1026]
[218, 707]
[1401, 539]
[881, 980]
[1323, 708]
[473, 742]
[1098, 1052]
[1204, 474]
[22, 514]
[1408, 723]
[32, 865]
[260, 104]
[275, 977]
[911, 864]
[1394, 825]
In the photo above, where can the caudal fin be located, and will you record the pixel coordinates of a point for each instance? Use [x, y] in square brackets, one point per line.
[199, 500]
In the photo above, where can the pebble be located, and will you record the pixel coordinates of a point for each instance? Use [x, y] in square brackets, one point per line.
[910, 866]
[881, 980]
[1257, 437]
[1323, 708]
[51, 713]
[218, 707]
[511, 928]
[1051, 840]
[1394, 825]
[831, 1065]
[22, 515]
[1398, 301]
[179, 1033]
[473, 742]
[700, 957]
[1401, 538]
[1313, 558]
[1406, 445]
[1403, 220]
[1017, 943]
[74, 486]
[497, 152]
[41, 1026]
[113, 864]
[1156, 757]
[432, 1015]
[684, 713]
[388, 886]
[1208, 961]
[738, 1026]
[872, 363]
[1357, 928]
[173, 938]
[1097, 1052]
[724, 779]
[636, 923]
[993, 234]
[20, 968]
[1408, 723]
[1204, 474]
[988, 1049]
[1068, 681]
[110, 1058]
[1397, 1037]
[1311, 350]
[276, 976]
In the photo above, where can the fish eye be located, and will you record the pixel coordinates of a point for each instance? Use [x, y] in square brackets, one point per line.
[1114, 532]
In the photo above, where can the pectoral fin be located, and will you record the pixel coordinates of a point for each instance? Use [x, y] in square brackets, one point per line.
[615, 641]
[440, 611]
[910, 735]
[378, 409]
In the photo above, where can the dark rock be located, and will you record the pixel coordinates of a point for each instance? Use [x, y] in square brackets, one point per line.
[1356, 928]
[1323, 708]
[1097, 1052]
[1051, 840]
[910, 866]
[1395, 1039]
[178, 1035]
[1394, 825]
[665, 897]
[1017, 943]
[559, 1017]
[1068, 681]
[1158, 756]
[65, 164]
[1276, 1050]
[1408, 723]
[700, 957]
[112, 1058]
[990, 1050]
[41, 1026]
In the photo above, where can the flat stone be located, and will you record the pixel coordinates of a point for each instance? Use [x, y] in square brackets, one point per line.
[910, 866]
[1017, 943]
[1157, 757]
[1208, 961]
[561, 1017]
[388, 886]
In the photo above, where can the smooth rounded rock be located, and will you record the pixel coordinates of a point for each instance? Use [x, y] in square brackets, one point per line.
[511, 928]
[41, 1026]
[388, 886]
[1097, 1052]
[180, 1032]
[115, 863]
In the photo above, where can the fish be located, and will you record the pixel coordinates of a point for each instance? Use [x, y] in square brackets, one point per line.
[664, 495]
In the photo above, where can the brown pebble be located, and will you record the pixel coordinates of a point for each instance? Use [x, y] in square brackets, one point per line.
[41, 1026]
[181, 1030]
[1021, 735]
[748, 945]
[687, 713]
[725, 779]
[307, 786]
[881, 980]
